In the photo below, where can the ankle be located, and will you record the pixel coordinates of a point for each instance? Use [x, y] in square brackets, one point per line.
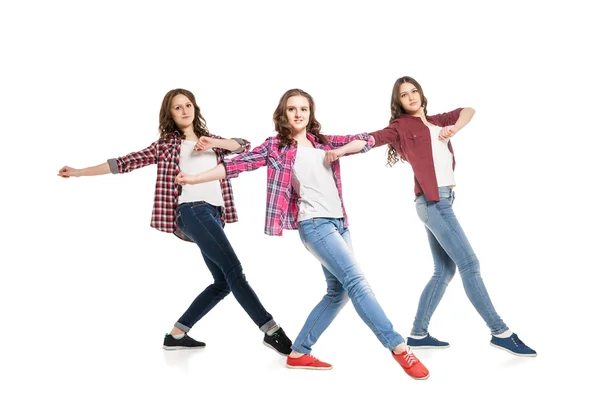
[401, 348]
[176, 332]
[273, 330]
[295, 354]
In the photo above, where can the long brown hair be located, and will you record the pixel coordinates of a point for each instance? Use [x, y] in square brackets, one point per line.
[282, 126]
[397, 110]
[166, 124]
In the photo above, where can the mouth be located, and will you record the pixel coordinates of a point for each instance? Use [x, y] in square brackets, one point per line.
[414, 103]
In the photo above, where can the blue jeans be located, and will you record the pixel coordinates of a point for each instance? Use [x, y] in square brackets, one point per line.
[450, 248]
[201, 222]
[330, 243]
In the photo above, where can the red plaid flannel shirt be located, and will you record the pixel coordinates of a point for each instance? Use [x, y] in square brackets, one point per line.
[165, 153]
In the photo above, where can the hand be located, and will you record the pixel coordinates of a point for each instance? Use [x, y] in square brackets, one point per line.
[332, 155]
[183, 179]
[447, 132]
[204, 143]
[67, 172]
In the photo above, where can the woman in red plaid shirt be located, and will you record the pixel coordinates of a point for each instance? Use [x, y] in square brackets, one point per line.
[195, 213]
[304, 192]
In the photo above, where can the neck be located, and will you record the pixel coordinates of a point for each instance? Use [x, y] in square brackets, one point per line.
[419, 113]
[300, 135]
[188, 131]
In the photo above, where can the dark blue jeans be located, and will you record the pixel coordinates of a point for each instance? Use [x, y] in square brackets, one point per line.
[201, 222]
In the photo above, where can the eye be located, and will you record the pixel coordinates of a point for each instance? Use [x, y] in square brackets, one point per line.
[177, 108]
[415, 91]
[189, 106]
[290, 108]
[305, 109]
[403, 95]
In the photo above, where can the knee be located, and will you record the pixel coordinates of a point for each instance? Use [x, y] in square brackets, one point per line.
[469, 265]
[222, 288]
[449, 272]
[357, 284]
[234, 273]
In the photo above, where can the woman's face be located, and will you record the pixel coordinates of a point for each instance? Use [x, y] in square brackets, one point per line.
[182, 111]
[297, 112]
[410, 99]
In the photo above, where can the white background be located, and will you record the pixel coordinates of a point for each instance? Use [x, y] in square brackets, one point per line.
[88, 288]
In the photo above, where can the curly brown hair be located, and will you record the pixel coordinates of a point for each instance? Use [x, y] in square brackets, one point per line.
[397, 110]
[284, 131]
[166, 125]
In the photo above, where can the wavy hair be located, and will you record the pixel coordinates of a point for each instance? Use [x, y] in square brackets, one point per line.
[166, 125]
[285, 134]
[396, 109]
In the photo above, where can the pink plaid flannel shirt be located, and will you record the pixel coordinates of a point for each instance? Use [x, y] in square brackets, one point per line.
[282, 199]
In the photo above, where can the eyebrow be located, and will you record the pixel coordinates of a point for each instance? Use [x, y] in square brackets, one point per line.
[408, 91]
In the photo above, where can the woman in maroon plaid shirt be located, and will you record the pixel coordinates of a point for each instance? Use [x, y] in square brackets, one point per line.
[195, 213]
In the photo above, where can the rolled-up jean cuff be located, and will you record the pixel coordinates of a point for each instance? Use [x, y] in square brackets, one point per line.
[266, 327]
[181, 326]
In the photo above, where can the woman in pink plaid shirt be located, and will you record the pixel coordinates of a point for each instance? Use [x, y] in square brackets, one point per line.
[304, 192]
[195, 214]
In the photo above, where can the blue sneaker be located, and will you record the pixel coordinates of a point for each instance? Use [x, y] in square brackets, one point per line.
[428, 342]
[513, 345]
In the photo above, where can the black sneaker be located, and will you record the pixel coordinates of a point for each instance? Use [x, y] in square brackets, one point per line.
[279, 342]
[184, 343]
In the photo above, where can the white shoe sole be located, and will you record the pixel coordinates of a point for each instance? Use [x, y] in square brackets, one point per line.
[512, 352]
[427, 347]
[274, 349]
[307, 367]
[182, 348]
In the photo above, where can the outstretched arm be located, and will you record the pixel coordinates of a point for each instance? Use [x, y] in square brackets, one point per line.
[101, 169]
[350, 148]
[234, 145]
[214, 174]
[128, 163]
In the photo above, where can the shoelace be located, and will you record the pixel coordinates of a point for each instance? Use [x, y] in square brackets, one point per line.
[409, 357]
[518, 341]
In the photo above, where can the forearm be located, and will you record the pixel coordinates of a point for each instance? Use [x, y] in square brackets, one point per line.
[101, 169]
[227, 144]
[464, 118]
[353, 147]
[214, 174]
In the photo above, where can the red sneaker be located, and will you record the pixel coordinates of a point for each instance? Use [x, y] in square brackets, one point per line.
[307, 362]
[411, 364]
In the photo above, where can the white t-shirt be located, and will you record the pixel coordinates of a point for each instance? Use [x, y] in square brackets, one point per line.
[442, 158]
[312, 179]
[195, 162]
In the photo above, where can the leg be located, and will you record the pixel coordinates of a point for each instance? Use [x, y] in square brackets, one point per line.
[443, 271]
[444, 225]
[201, 222]
[322, 315]
[206, 300]
[327, 240]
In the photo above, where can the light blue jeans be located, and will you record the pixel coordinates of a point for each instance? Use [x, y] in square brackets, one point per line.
[450, 248]
[330, 243]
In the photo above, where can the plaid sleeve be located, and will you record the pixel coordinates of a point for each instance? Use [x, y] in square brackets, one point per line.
[338, 141]
[244, 146]
[249, 161]
[135, 160]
